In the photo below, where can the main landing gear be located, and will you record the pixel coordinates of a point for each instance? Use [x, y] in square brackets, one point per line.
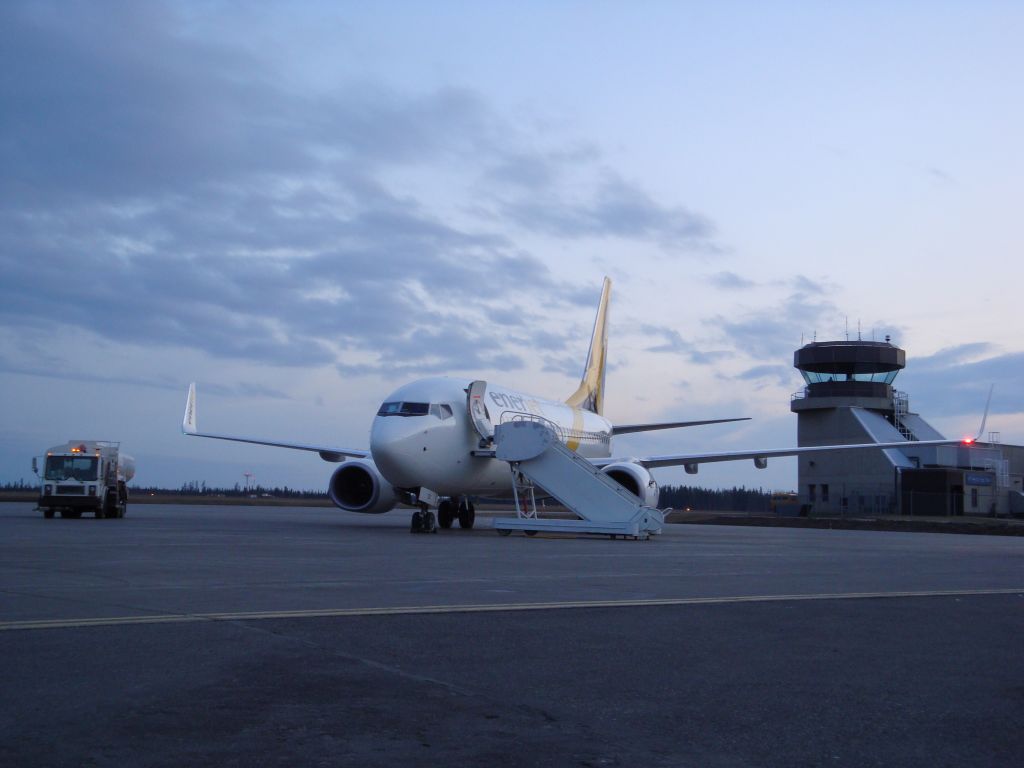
[448, 511]
[467, 514]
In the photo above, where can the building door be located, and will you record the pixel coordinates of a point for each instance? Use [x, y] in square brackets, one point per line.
[956, 493]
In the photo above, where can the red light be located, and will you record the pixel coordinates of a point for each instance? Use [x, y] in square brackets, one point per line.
[968, 440]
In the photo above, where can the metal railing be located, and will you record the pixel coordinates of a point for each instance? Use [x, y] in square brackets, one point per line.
[564, 434]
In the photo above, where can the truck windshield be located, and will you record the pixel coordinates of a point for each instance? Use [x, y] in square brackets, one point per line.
[70, 468]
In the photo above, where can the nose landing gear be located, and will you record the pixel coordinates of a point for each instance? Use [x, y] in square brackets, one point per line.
[423, 521]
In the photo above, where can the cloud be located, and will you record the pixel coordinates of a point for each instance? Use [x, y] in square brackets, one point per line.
[956, 380]
[673, 343]
[730, 281]
[567, 364]
[949, 357]
[168, 192]
[780, 374]
[611, 207]
[774, 332]
[448, 348]
[939, 176]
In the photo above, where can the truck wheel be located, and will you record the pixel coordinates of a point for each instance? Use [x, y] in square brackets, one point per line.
[48, 513]
[109, 508]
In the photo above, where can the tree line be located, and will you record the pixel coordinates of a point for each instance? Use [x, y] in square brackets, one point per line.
[193, 488]
[739, 499]
[719, 500]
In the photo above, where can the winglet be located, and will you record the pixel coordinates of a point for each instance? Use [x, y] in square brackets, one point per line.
[188, 423]
[988, 402]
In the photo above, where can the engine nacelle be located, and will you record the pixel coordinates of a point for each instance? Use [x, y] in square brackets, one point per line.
[357, 486]
[635, 479]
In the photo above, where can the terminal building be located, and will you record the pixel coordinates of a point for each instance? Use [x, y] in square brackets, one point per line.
[849, 398]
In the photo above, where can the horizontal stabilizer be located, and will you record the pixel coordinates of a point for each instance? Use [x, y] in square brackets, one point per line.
[625, 429]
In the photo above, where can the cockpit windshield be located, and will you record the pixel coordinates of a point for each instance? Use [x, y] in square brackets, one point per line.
[404, 409]
[70, 468]
[440, 410]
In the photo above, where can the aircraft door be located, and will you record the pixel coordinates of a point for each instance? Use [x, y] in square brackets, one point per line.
[478, 410]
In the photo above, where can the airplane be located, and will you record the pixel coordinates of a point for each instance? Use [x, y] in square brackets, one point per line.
[428, 443]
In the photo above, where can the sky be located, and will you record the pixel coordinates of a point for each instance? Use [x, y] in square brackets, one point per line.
[302, 206]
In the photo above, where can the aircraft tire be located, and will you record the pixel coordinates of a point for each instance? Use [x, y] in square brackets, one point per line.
[467, 516]
[446, 514]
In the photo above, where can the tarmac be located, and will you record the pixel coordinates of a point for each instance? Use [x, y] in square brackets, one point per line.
[265, 636]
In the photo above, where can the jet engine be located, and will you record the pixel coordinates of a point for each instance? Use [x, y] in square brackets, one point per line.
[635, 479]
[357, 486]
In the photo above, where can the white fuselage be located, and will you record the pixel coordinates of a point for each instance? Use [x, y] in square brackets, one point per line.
[423, 436]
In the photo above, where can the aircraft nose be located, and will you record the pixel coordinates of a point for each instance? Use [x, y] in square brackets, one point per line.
[394, 442]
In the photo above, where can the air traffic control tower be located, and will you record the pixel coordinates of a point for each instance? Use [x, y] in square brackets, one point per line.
[849, 398]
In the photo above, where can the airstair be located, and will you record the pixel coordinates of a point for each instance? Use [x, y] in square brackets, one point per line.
[539, 459]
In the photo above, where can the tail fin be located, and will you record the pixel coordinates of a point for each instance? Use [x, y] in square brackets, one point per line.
[590, 394]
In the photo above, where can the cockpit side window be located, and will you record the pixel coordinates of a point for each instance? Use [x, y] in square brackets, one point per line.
[441, 410]
[404, 409]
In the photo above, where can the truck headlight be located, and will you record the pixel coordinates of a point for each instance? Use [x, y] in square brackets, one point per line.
[92, 490]
[47, 490]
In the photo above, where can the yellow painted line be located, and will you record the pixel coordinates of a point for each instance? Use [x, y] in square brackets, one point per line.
[412, 610]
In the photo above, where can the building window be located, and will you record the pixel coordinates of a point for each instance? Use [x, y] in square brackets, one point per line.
[811, 492]
[824, 491]
[974, 498]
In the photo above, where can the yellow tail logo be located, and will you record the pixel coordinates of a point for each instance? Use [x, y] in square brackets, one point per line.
[590, 394]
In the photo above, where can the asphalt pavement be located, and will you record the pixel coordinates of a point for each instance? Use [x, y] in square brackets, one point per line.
[252, 636]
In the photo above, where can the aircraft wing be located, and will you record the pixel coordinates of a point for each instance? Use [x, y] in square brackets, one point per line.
[625, 429]
[760, 458]
[327, 453]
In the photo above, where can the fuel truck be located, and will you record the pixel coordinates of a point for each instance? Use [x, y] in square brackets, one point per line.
[85, 476]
